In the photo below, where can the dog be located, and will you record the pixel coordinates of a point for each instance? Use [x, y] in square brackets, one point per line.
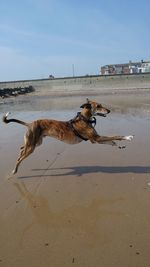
[80, 128]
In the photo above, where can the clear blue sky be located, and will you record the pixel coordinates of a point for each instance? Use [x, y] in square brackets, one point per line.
[42, 37]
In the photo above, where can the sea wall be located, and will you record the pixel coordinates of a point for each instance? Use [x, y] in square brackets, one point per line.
[87, 83]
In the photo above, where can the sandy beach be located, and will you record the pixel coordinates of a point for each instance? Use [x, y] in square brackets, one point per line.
[84, 205]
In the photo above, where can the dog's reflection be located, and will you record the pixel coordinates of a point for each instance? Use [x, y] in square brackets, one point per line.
[83, 219]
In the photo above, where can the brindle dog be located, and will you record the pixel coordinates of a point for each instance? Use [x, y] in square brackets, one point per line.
[72, 132]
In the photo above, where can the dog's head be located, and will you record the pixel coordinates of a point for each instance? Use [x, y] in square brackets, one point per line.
[96, 109]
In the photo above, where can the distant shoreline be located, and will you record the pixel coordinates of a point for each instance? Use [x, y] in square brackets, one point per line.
[124, 101]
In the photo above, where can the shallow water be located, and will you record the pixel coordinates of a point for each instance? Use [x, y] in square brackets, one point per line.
[135, 102]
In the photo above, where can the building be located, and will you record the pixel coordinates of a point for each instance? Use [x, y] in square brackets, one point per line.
[126, 68]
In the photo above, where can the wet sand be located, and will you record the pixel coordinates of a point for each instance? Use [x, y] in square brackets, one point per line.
[82, 205]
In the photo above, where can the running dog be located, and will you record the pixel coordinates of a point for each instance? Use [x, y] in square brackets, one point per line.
[80, 128]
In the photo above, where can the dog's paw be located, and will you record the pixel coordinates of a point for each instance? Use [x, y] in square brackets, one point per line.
[7, 114]
[13, 171]
[128, 137]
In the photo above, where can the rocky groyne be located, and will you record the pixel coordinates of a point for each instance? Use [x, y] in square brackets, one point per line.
[11, 92]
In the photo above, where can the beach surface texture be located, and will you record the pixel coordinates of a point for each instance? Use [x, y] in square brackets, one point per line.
[82, 205]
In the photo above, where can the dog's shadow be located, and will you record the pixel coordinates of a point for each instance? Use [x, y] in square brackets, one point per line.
[83, 170]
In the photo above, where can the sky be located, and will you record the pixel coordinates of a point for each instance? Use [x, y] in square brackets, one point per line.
[39, 38]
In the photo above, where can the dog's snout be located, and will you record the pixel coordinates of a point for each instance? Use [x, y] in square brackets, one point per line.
[106, 110]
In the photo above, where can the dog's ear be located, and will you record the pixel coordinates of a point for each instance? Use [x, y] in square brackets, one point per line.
[86, 105]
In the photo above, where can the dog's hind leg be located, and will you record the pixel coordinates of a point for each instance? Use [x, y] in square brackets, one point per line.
[31, 141]
[25, 152]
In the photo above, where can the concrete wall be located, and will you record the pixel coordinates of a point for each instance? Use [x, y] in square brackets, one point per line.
[90, 83]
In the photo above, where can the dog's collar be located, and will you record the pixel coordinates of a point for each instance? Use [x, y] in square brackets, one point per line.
[80, 116]
[90, 121]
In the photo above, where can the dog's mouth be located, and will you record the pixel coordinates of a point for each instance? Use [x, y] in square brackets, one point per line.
[103, 113]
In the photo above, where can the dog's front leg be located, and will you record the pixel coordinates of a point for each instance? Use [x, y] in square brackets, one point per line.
[100, 141]
[109, 139]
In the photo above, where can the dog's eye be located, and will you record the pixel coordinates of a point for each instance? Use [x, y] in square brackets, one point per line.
[99, 106]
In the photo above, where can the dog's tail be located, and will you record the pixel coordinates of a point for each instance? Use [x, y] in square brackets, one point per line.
[5, 120]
